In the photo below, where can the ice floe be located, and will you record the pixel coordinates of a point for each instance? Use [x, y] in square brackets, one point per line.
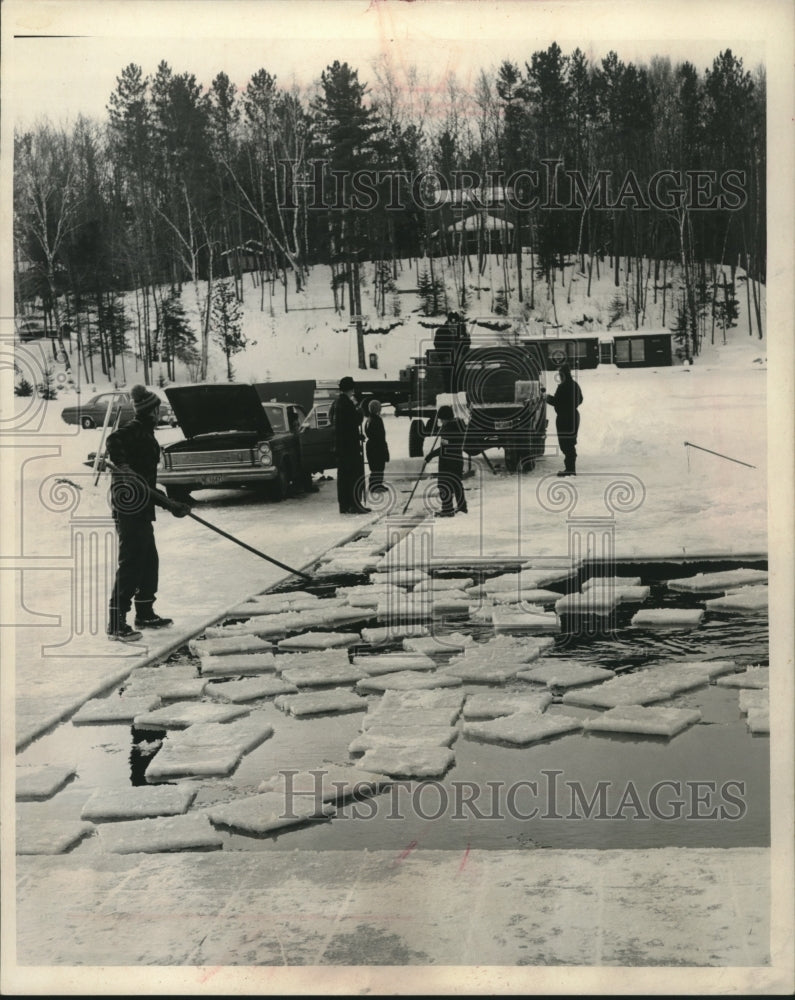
[522, 728]
[111, 804]
[238, 664]
[704, 583]
[268, 811]
[207, 749]
[321, 702]
[35, 782]
[489, 705]
[114, 708]
[644, 721]
[560, 673]
[191, 832]
[182, 714]
[408, 762]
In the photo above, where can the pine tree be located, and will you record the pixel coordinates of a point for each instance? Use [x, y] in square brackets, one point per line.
[226, 319]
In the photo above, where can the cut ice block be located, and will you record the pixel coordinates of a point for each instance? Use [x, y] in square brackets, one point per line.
[248, 689]
[207, 749]
[403, 736]
[395, 700]
[753, 677]
[564, 673]
[182, 690]
[611, 582]
[259, 625]
[522, 728]
[182, 714]
[750, 698]
[143, 802]
[704, 583]
[758, 721]
[407, 680]
[592, 602]
[435, 583]
[321, 702]
[537, 596]
[35, 782]
[713, 667]
[324, 674]
[408, 762]
[114, 709]
[623, 595]
[505, 619]
[39, 832]
[387, 663]
[746, 600]
[319, 640]
[238, 664]
[667, 618]
[444, 642]
[531, 579]
[258, 814]
[649, 684]
[173, 833]
[473, 670]
[644, 721]
[370, 596]
[389, 633]
[226, 646]
[489, 705]
[411, 717]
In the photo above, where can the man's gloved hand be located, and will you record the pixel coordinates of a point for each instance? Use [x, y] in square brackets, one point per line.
[179, 509]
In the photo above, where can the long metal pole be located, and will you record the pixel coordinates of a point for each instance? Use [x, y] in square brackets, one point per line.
[417, 482]
[250, 548]
[689, 444]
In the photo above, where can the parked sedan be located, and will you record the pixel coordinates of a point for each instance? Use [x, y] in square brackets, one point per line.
[92, 412]
[233, 439]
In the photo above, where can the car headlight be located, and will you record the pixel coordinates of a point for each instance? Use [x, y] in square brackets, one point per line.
[265, 454]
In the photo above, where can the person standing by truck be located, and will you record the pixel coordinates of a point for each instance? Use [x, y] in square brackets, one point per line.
[347, 420]
[134, 453]
[376, 447]
[451, 462]
[567, 400]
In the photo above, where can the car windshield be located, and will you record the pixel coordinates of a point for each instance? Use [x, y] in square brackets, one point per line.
[275, 415]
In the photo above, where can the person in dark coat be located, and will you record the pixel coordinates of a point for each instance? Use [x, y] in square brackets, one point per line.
[567, 399]
[376, 448]
[134, 453]
[347, 419]
[451, 462]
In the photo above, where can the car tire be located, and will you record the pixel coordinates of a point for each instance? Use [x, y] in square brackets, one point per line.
[87, 423]
[179, 493]
[280, 487]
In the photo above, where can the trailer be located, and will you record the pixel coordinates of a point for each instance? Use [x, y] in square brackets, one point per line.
[579, 352]
[643, 349]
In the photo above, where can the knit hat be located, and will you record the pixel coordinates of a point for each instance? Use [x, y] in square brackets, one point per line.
[143, 400]
[346, 383]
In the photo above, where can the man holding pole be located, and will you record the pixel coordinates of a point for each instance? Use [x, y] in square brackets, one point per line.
[134, 454]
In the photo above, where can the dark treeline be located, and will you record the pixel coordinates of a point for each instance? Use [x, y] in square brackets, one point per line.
[181, 187]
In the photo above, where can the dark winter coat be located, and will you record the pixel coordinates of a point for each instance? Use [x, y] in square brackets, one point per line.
[135, 496]
[567, 398]
[347, 420]
[376, 447]
[451, 450]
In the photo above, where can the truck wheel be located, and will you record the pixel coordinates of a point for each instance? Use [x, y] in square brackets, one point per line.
[87, 423]
[180, 493]
[416, 438]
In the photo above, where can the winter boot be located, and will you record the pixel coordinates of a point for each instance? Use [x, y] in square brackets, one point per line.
[119, 630]
[145, 616]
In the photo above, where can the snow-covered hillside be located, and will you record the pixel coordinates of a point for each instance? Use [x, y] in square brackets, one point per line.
[309, 339]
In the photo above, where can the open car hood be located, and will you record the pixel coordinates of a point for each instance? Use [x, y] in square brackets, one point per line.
[208, 409]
